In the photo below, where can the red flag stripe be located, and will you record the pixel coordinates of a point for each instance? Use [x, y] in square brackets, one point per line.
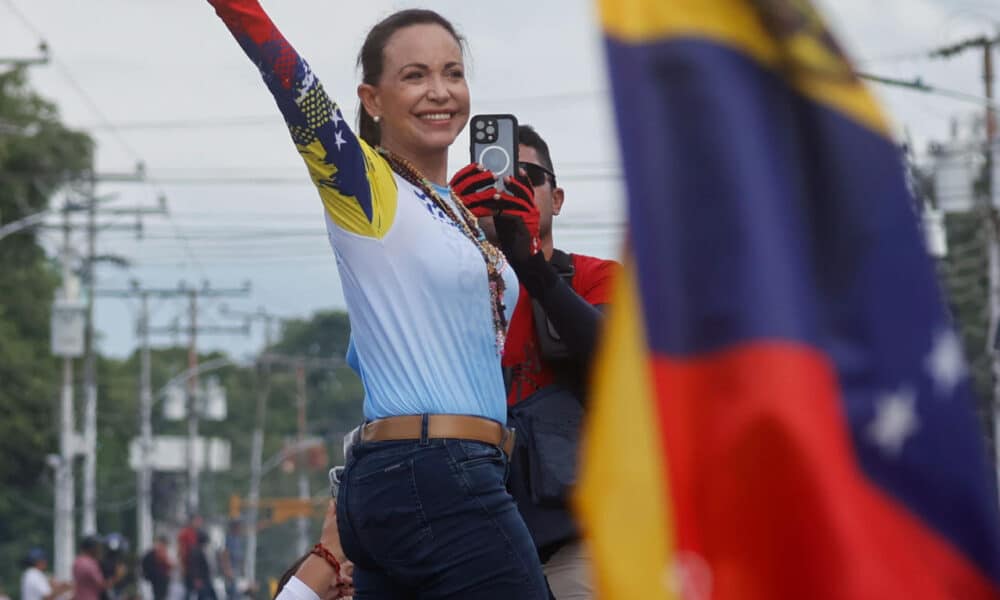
[769, 413]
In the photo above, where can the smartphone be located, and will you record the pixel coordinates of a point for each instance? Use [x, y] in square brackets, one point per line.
[493, 144]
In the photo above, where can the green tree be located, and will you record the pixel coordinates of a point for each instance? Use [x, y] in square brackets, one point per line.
[38, 155]
[335, 398]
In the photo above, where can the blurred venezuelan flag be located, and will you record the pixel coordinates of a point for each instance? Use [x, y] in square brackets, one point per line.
[780, 408]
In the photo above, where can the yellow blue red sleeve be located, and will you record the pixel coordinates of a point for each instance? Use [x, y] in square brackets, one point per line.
[354, 182]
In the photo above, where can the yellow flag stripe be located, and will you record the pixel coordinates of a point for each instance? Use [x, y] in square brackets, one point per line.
[822, 75]
[622, 498]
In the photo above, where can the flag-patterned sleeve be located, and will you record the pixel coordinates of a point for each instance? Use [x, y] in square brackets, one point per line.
[354, 182]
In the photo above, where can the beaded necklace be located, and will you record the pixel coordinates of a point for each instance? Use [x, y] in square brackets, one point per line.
[467, 224]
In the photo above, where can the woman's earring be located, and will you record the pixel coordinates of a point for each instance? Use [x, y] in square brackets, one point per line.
[376, 118]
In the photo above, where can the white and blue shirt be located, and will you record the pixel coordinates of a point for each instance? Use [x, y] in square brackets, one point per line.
[417, 289]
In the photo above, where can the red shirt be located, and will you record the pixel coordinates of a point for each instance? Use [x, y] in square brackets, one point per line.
[592, 281]
[186, 540]
[88, 581]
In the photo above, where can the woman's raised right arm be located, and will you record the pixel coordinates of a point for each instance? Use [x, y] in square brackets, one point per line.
[355, 184]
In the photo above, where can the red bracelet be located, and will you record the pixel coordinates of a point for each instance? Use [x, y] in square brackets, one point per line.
[323, 552]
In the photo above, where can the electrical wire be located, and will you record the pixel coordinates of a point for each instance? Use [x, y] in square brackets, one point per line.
[274, 119]
[917, 84]
[105, 122]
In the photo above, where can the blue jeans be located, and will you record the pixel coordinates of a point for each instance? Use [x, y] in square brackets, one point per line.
[431, 519]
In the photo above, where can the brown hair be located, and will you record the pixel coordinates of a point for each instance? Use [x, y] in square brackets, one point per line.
[371, 59]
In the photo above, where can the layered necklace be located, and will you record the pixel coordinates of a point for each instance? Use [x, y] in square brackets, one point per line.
[467, 225]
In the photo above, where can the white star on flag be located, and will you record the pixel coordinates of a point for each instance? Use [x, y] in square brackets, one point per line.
[895, 421]
[335, 116]
[945, 363]
[339, 140]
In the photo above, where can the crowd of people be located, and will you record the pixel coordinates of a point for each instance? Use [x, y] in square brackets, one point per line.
[106, 569]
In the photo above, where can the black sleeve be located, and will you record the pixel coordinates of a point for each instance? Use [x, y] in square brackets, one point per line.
[575, 320]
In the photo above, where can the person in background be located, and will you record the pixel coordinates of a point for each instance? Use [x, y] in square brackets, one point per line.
[187, 539]
[232, 556]
[157, 568]
[116, 556]
[199, 571]
[88, 581]
[549, 346]
[35, 584]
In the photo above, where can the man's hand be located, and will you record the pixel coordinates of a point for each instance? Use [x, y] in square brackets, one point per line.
[476, 188]
[316, 572]
[514, 211]
[516, 220]
[330, 535]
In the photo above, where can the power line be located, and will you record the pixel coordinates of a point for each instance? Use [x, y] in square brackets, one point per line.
[917, 84]
[24, 20]
[280, 180]
[273, 119]
[106, 124]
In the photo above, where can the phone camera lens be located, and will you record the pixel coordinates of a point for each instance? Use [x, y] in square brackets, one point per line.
[480, 124]
[480, 136]
[491, 130]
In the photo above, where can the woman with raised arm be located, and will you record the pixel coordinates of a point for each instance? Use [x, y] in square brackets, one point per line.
[422, 508]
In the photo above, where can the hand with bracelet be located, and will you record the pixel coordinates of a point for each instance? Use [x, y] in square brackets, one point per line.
[325, 569]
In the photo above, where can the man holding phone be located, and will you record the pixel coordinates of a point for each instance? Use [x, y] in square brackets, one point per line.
[550, 341]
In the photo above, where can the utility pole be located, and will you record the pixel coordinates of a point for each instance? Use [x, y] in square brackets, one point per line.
[64, 534]
[303, 522]
[986, 44]
[89, 521]
[994, 254]
[193, 449]
[256, 457]
[257, 443]
[144, 475]
[264, 362]
[89, 524]
[144, 512]
[193, 487]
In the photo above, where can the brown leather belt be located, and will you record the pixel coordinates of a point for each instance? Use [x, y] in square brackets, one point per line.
[461, 427]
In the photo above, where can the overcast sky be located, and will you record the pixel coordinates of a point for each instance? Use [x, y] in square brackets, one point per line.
[163, 82]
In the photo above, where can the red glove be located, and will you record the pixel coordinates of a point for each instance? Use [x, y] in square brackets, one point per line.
[516, 221]
[476, 187]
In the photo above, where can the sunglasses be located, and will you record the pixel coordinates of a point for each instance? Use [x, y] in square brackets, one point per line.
[537, 174]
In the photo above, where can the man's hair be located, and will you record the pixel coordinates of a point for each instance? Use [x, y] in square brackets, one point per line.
[527, 136]
[90, 543]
